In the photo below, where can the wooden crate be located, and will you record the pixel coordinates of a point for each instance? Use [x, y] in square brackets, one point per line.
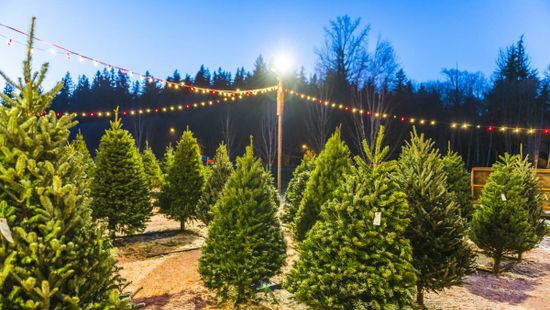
[480, 175]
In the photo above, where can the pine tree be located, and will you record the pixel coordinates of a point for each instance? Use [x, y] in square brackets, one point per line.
[502, 225]
[531, 189]
[458, 183]
[245, 243]
[297, 186]
[152, 168]
[348, 261]
[441, 254]
[79, 145]
[185, 181]
[331, 167]
[220, 171]
[168, 159]
[59, 258]
[120, 191]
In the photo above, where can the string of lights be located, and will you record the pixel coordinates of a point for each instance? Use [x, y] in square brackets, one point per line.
[55, 49]
[234, 94]
[415, 120]
[164, 109]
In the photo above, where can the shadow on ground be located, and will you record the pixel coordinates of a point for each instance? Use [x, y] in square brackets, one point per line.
[180, 300]
[511, 287]
[153, 244]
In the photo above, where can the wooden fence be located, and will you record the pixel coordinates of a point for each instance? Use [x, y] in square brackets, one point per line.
[480, 175]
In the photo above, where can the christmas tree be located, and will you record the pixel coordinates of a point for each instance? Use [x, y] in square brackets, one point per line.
[502, 225]
[296, 187]
[168, 159]
[357, 255]
[331, 167]
[79, 145]
[245, 244]
[458, 183]
[120, 188]
[220, 171]
[441, 254]
[152, 168]
[55, 256]
[531, 189]
[184, 183]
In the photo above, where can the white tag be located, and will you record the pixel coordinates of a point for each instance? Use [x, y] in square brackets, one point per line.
[5, 230]
[377, 218]
[503, 197]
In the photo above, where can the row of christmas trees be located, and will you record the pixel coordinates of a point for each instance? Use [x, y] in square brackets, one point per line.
[371, 233]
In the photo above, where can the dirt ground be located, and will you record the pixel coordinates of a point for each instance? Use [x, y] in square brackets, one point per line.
[162, 265]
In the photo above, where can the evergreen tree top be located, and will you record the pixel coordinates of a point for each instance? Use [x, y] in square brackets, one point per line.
[379, 154]
[116, 124]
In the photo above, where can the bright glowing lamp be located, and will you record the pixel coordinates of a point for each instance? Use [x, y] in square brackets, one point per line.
[282, 64]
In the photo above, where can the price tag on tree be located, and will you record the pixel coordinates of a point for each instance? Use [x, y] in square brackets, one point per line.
[5, 230]
[503, 197]
[377, 218]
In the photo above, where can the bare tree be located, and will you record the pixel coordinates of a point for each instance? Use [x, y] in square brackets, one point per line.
[344, 52]
[357, 75]
[229, 133]
[317, 123]
[139, 131]
[373, 98]
[267, 144]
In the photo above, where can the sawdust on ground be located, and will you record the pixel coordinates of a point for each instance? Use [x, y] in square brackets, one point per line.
[172, 281]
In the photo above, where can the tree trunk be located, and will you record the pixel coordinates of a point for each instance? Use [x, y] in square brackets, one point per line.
[112, 232]
[519, 257]
[496, 264]
[182, 225]
[420, 296]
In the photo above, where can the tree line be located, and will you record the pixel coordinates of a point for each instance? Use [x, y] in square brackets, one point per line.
[348, 71]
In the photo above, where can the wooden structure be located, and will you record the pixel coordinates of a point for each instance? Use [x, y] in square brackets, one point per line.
[480, 175]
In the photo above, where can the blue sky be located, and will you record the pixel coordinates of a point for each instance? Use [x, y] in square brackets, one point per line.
[161, 36]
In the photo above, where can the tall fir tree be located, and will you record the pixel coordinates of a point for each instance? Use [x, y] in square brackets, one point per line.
[458, 183]
[441, 254]
[245, 243]
[350, 259]
[331, 168]
[297, 186]
[58, 258]
[120, 190]
[501, 225]
[184, 182]
[221, 169]
[152, 169]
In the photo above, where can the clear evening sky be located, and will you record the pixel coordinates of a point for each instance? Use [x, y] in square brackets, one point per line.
[161, 36]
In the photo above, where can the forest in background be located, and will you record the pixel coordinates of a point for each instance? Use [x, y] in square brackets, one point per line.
[352, 69]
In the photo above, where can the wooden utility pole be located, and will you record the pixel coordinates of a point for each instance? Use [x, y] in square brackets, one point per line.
[280, 108]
